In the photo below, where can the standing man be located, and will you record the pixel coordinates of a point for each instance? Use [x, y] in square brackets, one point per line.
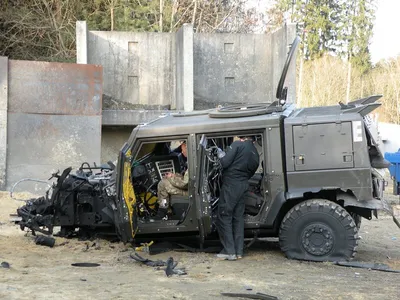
[239, 165]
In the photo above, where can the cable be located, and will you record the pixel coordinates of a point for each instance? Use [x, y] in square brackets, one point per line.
[25, 179]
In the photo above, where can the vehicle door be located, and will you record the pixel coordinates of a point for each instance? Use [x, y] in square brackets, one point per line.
[204, 211]
[125, 215]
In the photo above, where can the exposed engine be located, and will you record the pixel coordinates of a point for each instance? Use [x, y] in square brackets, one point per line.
[83, 199]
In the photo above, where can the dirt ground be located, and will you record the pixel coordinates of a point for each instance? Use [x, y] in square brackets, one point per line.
[39, 272]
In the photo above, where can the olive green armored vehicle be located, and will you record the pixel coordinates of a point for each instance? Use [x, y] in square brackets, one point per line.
[321, 172]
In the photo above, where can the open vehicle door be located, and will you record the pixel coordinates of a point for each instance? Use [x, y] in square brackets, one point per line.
[125, 214]
[204, 211]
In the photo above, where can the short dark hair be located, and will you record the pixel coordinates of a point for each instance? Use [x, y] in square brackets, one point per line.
[248, 137]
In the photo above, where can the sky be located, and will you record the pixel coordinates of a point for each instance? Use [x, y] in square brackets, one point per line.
[386, 43]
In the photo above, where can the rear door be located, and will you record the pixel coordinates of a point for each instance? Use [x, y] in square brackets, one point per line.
[204, 211]
[125, 214]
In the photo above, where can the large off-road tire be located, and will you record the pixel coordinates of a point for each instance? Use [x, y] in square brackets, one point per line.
[318, 230]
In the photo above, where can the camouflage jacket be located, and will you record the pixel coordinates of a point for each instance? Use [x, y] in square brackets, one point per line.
[179, 181]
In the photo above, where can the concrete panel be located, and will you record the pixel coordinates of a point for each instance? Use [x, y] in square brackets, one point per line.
[238, 68]
[184, 68]
[81, 42]
[112, 140]
[231, 68]
[138, 68]
[54, 119]
[40, 144]
[3, 119]
[54, 88]
[129, 117]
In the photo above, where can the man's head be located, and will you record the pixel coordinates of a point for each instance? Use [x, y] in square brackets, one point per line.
[248, 138]
[184, 149]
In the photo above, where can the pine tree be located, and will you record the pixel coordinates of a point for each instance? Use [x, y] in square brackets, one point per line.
[341, 28]
[360, 33]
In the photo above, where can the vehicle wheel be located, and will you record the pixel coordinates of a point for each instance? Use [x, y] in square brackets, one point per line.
[318, 230]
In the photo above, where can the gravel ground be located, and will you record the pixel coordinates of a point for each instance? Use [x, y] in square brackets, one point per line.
[39, 272]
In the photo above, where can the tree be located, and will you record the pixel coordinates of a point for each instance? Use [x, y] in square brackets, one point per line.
[361, 15]
[316, 22]
[338, 27]
[38, 29]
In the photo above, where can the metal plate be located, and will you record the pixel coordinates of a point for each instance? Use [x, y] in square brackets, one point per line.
[54, 88]
[323, 146]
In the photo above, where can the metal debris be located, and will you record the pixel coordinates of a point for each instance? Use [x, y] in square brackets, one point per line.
[250, 296]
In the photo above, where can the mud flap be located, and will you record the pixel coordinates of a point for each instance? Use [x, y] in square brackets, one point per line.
[389, 209]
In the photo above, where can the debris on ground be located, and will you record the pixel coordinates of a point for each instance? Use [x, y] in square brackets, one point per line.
[85, 264]
[250, 296]
[169, 264]
[148, 262]
[45, 241]
[172, 270]
[145, 247]
[5, 265]
[365, 265]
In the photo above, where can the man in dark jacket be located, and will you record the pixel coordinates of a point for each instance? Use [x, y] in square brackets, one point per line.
[239, 165]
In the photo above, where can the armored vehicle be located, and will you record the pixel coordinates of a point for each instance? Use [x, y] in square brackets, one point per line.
[321, 172]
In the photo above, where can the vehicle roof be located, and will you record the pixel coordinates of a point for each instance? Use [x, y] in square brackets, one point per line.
[319, 111]
[182, 125]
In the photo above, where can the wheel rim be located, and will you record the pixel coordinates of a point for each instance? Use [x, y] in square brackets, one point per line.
[317, 239]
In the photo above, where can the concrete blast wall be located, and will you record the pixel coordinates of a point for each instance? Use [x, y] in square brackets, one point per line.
[186, 70]
[139, 68]
[240, 68]
[3, 119]
[54, 119]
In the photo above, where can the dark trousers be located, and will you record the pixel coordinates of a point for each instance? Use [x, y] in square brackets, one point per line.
[230, 222]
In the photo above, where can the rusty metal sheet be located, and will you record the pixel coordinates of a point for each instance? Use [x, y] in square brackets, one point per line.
[55, 88]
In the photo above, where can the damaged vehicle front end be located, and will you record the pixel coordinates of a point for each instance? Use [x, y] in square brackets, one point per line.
[85, 199]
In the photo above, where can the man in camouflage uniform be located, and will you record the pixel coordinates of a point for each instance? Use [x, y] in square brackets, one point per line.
[172, 184]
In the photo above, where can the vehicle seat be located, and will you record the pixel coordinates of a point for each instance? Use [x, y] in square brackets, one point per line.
[179, 205]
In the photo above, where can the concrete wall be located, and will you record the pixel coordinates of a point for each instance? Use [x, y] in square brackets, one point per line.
[3, 119]
[139, 68]
[112, 140]
[240, 68]
[186, 70]
[54, 118]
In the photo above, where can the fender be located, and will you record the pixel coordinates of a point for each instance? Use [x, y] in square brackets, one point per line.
[350, 200]
[269, 218]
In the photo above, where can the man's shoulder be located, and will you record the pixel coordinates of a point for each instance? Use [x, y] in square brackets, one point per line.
[237, 144]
